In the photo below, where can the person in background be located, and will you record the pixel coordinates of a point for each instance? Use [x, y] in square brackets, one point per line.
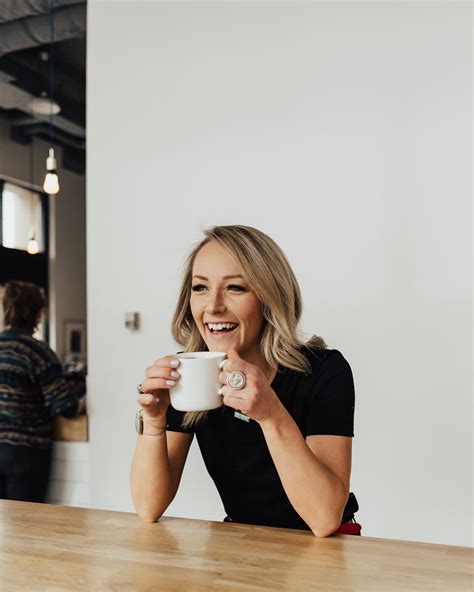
[279, 450]
[33, 390]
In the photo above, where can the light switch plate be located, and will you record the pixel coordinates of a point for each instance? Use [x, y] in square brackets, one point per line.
[132, 321]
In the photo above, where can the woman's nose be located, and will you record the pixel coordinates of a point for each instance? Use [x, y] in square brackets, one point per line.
[215, 303]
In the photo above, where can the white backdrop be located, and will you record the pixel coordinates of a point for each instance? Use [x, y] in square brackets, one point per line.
[343, 131]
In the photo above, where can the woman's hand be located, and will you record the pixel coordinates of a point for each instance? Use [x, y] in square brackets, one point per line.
[257, 399]
[155, 400]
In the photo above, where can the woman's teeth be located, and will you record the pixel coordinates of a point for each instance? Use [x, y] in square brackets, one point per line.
[221, 327]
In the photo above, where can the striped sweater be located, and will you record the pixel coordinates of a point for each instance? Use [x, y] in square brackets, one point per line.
[32, 390]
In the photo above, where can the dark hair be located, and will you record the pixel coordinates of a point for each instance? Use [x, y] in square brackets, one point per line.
[22, 304]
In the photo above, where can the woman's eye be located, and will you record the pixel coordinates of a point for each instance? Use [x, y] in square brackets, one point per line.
[233, 287]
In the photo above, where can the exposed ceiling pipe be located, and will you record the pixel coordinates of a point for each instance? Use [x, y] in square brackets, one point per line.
[12, 9]
[69, 22]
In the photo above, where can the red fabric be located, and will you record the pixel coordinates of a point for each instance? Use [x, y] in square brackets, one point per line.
[349, 528]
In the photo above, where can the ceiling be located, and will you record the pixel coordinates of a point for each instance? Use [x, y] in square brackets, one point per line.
[25, 49]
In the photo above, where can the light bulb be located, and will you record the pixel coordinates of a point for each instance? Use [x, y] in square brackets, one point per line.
[51, 183]
[32, 246]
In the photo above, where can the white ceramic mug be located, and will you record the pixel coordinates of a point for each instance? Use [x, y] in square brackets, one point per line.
[198, 387]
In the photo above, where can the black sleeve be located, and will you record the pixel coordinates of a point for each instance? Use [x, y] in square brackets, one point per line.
[77, 387]
[331, 399]
[174, 419]
[71, 411]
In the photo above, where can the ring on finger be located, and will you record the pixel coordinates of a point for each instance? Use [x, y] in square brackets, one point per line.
[236, 380]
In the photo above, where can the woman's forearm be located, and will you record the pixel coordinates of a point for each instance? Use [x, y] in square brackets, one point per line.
[150, 477]
[315, 492]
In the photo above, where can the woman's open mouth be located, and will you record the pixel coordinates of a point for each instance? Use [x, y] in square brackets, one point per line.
[218, 329]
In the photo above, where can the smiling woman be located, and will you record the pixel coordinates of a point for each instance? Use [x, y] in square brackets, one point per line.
[225, 310]
[288, 464]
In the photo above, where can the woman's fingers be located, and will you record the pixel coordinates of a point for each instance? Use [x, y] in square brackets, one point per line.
[228, 392]
[161, 372]
[154, 397]
[234, 402]
[250, 377]
[149, 385]
[148, 400]
[168, 362]
[154, 404]
[161, 375]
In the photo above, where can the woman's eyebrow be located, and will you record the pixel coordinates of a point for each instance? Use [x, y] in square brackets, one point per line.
[226, 277]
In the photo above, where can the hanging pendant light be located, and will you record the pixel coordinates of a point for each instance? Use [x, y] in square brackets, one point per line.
[51, 181]
[32, 246]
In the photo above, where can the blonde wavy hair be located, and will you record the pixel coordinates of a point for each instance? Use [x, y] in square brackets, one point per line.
[265, 268]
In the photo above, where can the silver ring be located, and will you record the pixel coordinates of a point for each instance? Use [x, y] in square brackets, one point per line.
[236, 380]
[139, 390]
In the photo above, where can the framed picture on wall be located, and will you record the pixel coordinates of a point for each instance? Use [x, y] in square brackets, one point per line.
[75, 338]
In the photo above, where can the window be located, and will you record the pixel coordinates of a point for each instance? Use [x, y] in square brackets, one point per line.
[22, 218]
[24, 212]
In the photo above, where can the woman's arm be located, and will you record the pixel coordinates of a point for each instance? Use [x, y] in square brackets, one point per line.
[156, 470]
[315, 472]
[160, 455]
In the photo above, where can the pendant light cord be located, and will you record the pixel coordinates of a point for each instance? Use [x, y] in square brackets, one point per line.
[33, 209]
[32, 168]
[51, 70]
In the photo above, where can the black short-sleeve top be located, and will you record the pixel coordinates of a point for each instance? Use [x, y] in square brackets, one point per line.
[236, 454]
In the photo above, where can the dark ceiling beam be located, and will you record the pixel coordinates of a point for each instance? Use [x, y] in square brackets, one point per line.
[31, 74]
[32, 59]
[69, 22]
[41, 129]
[73, 148]
[11, 10]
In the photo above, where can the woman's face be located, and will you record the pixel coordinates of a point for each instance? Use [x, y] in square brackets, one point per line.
[217, 298]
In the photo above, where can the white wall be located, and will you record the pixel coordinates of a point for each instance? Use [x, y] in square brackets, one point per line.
[340, 129]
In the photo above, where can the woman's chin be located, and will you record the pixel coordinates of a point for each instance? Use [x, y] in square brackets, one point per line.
[215, 348]
[221, 347]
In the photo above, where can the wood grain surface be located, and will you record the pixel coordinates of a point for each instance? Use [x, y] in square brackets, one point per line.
[50, 548]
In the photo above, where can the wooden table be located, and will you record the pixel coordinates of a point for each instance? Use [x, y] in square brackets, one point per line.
[49, 548]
